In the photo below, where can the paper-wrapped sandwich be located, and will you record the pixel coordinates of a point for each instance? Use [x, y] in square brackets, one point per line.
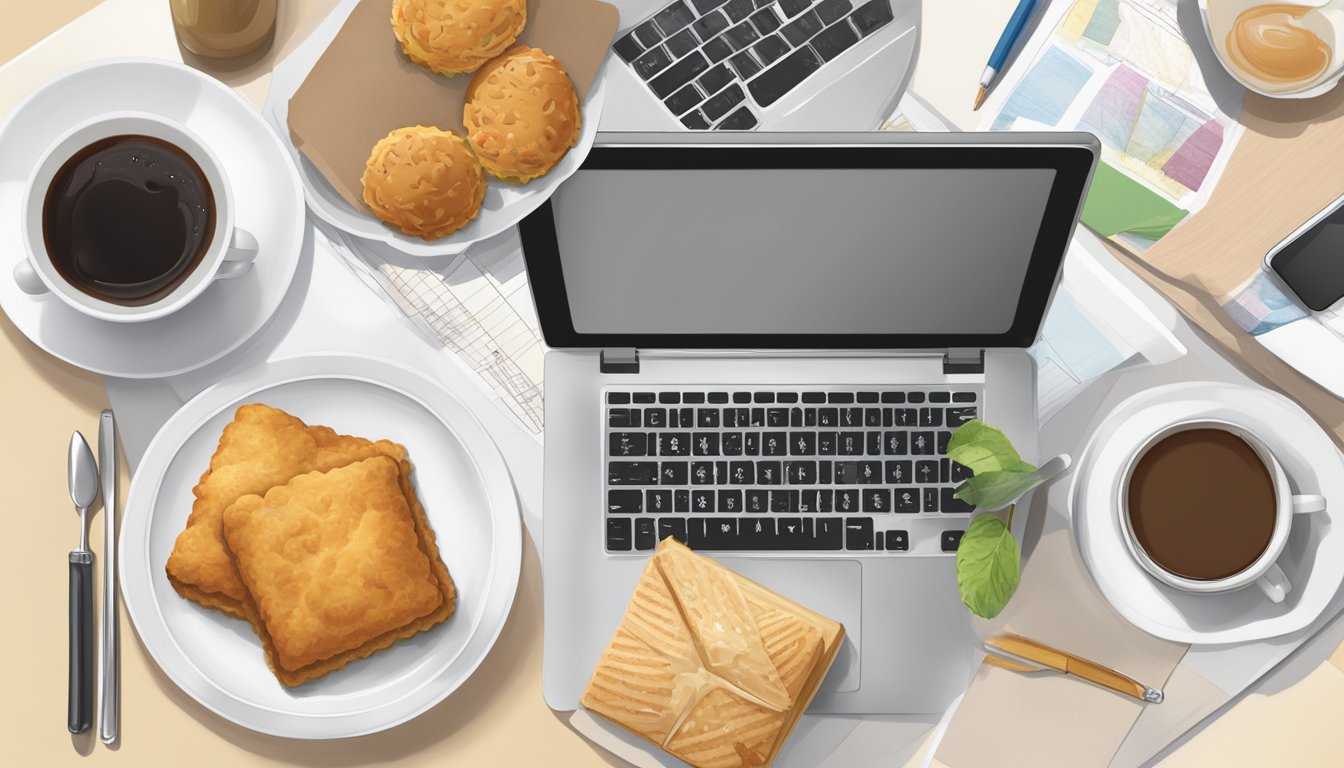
[709, 666]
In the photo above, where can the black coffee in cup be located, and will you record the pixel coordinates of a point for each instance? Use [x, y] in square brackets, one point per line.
[128, 218]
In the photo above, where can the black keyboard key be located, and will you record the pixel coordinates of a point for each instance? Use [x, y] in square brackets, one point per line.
[794, 7]
[655, 417]
[802, 28]
[915, 397]
[766, 20]
[751, 444]
[647, 34]
[705, 6]
[803, 444]
[930, 500]
[707, 418]
[872, 417]
[787, 397]
[795, 533]
[866, 397]
[958, 416]
[619, 537]
[681, 43]
[625, 502]
[618, 417]
[765, 398]
[652, 62]
[632, 473]
[717, 49]
[681, 501]
[742, 36]
[741, 397]
[930, 417]
[959, 473]
[769, 473]
[730, 501]
[679, 74]
[874, 443]
[738, 10]
[926, 472]
[898, 472]
[693, 398]
[894, 443]
[877, 500]
[757, 534]
[628, 48]
[825, 500]
[859, 533]
[775, 444]
[953, 505]
[683, 100]
[814, 397]
[717, 106]
[851, 444]
[843, 398]
[770, 49]
[800, 472]
[905, 500]
[784, 75]
[618, 398]
[826, 443]
[922, 443]
[834, 40]
[745, 65]
[779, 502]
[718, 397]
[695, 121]
[657, 502]
[742, 472]
[757, 501]
[828, 417]
[897, 541]
[673, 473]
[960, 397]
[702, 501]
[904, 417]
[944, 466]
[715, 79]
[685, 417]
[646, 533]
[940, 397]
[807, 501]
[828, 533]
[711, 533]
[731, 419]
[674, 444]
[706, 444]
[846, 500]
[944, 437]
[797, 418]
[832, 11]
[858, 472]
[710, 25]
[732, 444]
[672, 526]
[951, 540]
[669, 398]
[851, 417]
[893, 397]
[777, 417]
[674, 17]
[871, 16]
[702, 473]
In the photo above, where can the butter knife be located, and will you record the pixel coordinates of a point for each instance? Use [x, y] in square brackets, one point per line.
[1020, 654]
[109, 652]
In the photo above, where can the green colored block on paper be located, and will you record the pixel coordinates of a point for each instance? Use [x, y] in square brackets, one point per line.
[1117, 204]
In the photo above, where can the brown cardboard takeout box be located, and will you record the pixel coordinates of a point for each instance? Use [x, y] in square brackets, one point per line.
[364, 86]
[709, 666]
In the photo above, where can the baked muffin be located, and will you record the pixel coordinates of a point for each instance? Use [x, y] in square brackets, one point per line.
[424, 181]
[522, 114]
[452, 36]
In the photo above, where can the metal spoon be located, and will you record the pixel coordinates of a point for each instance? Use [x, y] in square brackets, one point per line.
[83, 478]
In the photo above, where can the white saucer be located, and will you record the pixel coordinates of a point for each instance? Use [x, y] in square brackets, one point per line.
[1313, 559]
[504, 206]
[460, 478]
[267, 197]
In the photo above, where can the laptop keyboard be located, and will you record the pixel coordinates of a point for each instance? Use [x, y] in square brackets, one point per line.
[716, 63]
[796, 470]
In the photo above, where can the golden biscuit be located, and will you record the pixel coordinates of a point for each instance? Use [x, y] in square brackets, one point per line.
[424, 181]
[452, 36]
[337, 564]
[522, 114]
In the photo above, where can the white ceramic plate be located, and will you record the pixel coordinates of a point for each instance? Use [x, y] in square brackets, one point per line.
[504, 206]
[462, 482]
[266, 193]
[1313, 559]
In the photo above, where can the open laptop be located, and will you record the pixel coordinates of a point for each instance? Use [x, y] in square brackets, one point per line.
[770, 65]
[760, 344]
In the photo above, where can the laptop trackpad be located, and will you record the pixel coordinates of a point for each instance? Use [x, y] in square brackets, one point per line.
[833, 588]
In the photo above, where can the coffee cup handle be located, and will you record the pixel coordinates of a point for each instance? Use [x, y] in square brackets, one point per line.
[1308, 503]
[27, 278]
[238, 258]
[1274, 584]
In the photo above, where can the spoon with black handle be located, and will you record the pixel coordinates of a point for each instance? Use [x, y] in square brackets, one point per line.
[83, 479]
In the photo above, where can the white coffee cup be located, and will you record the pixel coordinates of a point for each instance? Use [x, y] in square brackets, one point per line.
[229, 253]
[1264, 572]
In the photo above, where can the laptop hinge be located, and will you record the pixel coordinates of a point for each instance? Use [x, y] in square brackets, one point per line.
[625, 360]
[964, 360]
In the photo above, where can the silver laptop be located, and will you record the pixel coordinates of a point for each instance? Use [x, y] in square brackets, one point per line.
[770, 65]
[760, 345]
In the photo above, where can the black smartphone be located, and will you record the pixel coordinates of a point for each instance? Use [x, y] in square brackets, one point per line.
[1310, 262]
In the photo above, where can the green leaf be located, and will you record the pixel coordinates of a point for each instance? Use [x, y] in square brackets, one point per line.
[982, 448]
[988, 566]
[996, 490]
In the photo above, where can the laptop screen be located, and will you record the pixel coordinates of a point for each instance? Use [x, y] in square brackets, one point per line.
[805, 247]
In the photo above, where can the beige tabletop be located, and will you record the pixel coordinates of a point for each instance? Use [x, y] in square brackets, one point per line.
[498, 718]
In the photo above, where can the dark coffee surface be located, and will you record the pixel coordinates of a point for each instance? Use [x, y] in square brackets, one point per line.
[128, 218]
[1201, 504]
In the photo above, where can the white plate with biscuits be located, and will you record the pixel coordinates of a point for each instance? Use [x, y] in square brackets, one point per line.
[379, 586]
[504, 203]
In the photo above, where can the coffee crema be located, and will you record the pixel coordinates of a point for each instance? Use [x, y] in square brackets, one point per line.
[1271, 42]
[128, 218]
[1201, 503]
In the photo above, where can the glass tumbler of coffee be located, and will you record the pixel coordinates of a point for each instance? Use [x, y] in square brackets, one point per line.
[224, 29]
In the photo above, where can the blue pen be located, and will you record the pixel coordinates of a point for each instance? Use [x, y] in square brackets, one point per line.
[1016, 23]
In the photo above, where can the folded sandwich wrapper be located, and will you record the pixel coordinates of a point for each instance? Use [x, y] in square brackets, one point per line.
[709, 666]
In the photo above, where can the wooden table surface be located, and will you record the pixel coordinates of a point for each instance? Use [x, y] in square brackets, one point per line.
[497, 719]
